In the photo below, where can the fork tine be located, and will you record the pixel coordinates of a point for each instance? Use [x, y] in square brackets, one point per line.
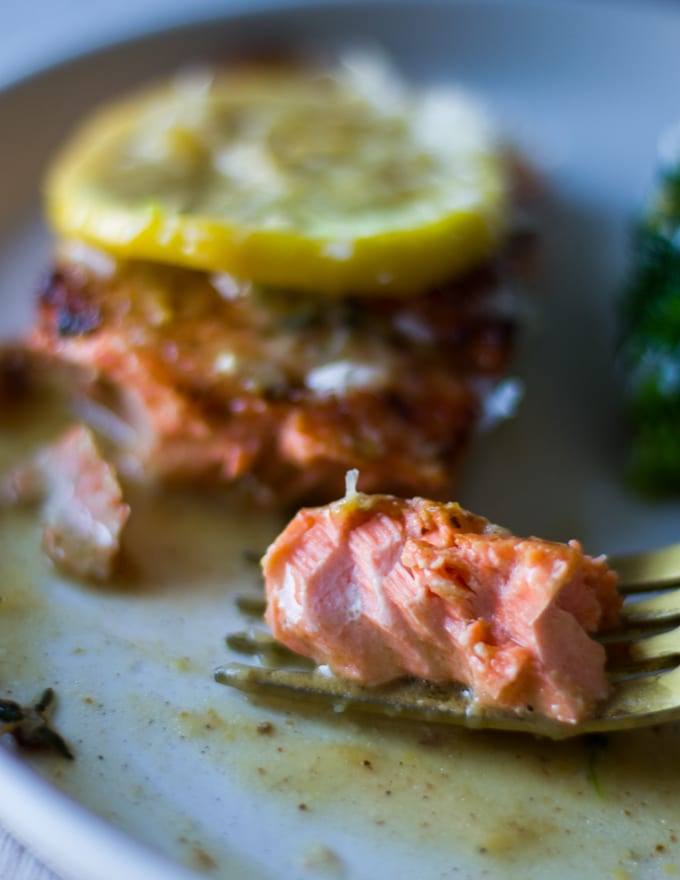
[638, 573]
[638, 702]
[262, 645]
[635, 702]
[251, 605]
[642, 653]
[417, 701]
[650, 570]
[663, 647]
[661, 610]
[630, 651]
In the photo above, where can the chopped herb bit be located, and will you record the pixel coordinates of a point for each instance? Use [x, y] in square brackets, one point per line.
[30, 725]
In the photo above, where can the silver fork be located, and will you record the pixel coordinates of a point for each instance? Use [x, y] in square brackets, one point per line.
[643, 666]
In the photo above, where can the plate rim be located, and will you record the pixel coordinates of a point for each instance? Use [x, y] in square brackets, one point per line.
[42, 818]
[210, 12]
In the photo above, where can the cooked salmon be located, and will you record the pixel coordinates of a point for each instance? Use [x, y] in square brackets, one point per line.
[378, 588]
[226, 382]
[83, 512]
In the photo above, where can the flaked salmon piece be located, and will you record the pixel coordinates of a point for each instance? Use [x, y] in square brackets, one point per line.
[378, 588]
[83, 511]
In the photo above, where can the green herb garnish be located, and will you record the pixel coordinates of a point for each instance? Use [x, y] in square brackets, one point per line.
[650, 345]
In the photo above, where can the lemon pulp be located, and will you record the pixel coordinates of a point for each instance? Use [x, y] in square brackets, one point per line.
[299, 179]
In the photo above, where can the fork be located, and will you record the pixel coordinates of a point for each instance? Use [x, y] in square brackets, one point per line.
[643, 666]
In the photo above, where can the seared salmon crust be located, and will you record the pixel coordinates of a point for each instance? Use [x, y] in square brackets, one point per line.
[223, 381]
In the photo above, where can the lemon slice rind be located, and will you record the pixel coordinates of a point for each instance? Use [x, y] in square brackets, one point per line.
[390, 252]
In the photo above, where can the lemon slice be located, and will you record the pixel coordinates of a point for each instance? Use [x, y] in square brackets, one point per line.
[311, 181]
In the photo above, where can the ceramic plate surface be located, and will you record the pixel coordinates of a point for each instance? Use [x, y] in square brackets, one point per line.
[176, 775]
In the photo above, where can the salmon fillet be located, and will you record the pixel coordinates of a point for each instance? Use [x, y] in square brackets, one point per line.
[378, 588]
[223, 382]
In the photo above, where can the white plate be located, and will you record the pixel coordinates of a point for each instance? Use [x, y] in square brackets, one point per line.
[171, 773]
